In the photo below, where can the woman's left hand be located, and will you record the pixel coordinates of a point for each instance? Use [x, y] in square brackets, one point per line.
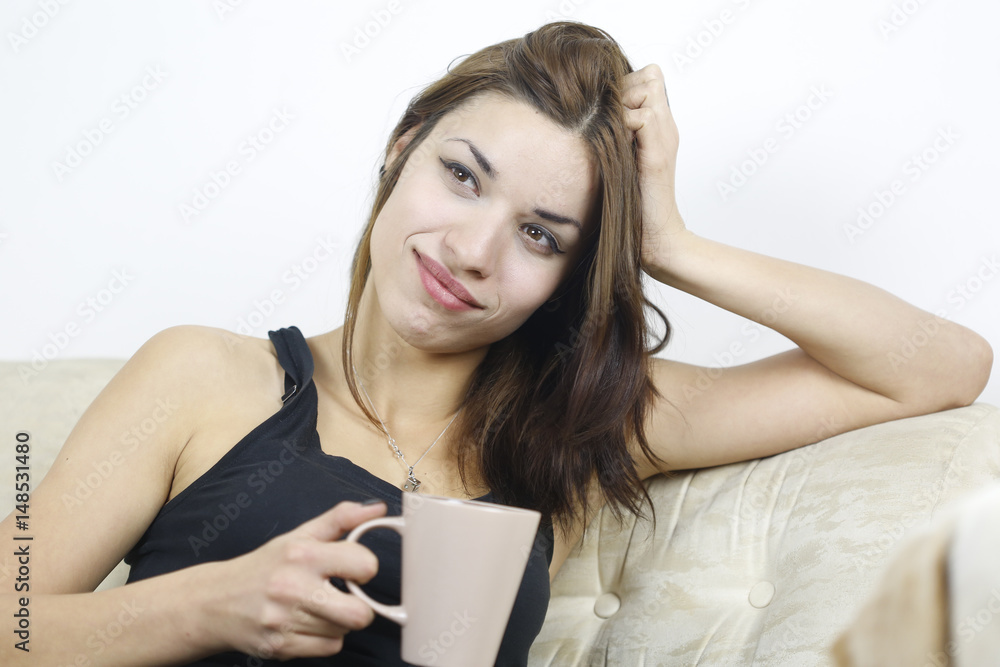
[647, 113]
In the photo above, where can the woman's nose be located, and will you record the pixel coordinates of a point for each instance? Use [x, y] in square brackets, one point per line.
[476, 243]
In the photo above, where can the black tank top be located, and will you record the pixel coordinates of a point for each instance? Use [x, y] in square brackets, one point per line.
[278, 477]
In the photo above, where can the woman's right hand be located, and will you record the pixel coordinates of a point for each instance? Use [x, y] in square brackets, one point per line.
[277, 601]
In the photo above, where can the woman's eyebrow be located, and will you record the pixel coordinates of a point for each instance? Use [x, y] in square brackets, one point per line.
[484, 163]
[561, 219]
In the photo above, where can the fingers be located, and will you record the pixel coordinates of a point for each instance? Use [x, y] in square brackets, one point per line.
[310, 646]
[645, 87]
[316, 625]
[342, 518]
[333, 610]
[638, 119]
[322, 609]
[647, 113]
[346, 560]
[280, 596]
[650, 72]
[302, 603]
[322, 550]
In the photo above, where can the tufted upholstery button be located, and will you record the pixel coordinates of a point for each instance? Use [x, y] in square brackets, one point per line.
[761, 594]
[607, 604]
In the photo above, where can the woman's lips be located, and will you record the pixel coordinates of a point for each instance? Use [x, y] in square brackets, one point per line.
[442, 286]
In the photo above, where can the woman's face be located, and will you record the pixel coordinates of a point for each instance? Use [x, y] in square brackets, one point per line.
[488, 217]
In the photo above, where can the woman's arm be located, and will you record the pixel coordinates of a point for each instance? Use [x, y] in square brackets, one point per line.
[278, 595]
[274, 602]
[159, 621]
[863, 357]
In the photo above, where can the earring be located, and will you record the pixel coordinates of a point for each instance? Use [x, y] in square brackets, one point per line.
[381, 172]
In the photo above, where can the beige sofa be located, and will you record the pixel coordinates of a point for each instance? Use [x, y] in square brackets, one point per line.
[763, 562]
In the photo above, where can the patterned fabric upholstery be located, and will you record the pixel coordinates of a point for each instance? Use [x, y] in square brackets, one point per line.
[763, 562]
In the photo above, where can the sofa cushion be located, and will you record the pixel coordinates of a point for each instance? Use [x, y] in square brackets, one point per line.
[766, 561]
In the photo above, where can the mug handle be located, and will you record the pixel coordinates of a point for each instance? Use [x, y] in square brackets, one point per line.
[393, 612]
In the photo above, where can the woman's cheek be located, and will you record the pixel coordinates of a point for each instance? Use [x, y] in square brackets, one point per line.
[529, 292]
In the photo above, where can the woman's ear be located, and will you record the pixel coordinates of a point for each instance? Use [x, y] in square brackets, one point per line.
[398, 147]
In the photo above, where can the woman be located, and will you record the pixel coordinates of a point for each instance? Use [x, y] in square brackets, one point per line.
[495, 346]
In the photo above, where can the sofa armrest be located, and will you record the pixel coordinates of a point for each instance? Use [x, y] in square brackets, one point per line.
[764, 561]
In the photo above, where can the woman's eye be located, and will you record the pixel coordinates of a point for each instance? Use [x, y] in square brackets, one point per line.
[541, 237]
[461, 174]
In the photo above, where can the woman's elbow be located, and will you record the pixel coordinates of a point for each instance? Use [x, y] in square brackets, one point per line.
[974, 363]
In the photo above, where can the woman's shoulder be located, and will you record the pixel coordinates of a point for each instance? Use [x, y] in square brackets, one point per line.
[155, 419]
[230, 383]
[205, 342]
[209, 361]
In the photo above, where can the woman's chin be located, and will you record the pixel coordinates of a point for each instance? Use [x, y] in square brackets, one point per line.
[441, 339]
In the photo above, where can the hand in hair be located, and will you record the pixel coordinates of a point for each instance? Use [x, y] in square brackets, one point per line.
[647, 113]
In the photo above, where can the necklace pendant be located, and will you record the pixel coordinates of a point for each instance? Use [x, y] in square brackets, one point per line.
[412, 484]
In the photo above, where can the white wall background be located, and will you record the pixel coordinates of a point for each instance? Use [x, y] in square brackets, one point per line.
[97, 255]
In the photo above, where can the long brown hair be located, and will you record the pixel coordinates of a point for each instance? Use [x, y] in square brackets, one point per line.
[553, 407]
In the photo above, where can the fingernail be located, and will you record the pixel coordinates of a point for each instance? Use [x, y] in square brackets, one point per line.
[372, 501]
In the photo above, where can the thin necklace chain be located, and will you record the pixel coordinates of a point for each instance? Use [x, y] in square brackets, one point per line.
[412, 483]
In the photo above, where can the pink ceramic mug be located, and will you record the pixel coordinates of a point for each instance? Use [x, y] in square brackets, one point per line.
[463, 561]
